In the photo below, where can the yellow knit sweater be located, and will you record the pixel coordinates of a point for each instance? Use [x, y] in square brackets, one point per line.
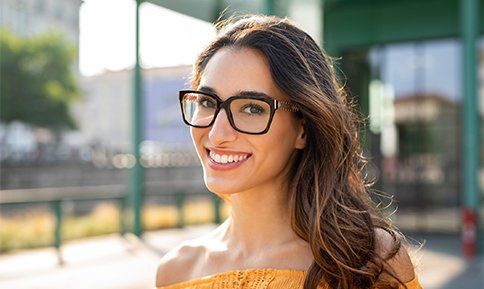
[257, 279]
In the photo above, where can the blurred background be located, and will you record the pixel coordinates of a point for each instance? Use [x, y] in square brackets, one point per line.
[98, 172]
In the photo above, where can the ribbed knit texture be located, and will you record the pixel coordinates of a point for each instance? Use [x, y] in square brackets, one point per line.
[257, 279]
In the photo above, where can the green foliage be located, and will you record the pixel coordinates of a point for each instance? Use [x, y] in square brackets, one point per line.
[37, 80]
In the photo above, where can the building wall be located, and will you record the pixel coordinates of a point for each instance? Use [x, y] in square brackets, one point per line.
[30, 17]
[104, 113]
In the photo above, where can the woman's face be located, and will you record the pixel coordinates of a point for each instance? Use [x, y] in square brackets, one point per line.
[262, 159]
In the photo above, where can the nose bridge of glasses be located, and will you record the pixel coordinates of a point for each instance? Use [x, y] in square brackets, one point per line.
[221, 129]
[225, 108]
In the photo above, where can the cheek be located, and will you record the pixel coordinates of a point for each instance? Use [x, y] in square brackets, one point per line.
[284, 131]
[287, 135]
[278, 147]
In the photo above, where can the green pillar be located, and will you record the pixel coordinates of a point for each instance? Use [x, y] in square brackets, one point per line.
[216, 209]
[122, 215]
[269, 7]
[470, 117]
[57, 208]
[218, 7]
[180, 206]
[136, 188]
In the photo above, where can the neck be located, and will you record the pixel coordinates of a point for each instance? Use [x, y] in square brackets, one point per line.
[259, 220]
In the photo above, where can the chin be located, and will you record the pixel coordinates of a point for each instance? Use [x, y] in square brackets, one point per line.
[221, 187]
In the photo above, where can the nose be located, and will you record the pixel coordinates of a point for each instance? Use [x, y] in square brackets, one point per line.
[221, 131]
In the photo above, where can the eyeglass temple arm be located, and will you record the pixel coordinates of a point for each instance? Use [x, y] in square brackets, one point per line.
[287, 106]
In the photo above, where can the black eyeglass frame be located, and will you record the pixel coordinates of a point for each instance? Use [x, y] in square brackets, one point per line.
[274, 104]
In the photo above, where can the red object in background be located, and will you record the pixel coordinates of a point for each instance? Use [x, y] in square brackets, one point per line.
[469, 228]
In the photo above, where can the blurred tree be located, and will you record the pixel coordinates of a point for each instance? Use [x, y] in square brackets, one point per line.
[37, 80]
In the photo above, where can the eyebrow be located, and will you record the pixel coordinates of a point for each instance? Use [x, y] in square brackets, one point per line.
[244, 93]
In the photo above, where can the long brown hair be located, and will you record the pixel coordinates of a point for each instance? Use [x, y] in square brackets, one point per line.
[330, 200]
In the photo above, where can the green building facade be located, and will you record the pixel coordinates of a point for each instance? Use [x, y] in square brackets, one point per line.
[416, 69]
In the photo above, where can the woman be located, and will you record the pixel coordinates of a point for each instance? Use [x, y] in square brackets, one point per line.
[277, 139]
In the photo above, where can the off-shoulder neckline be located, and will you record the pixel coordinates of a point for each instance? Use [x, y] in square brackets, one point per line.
[284, 272]
[206, 278]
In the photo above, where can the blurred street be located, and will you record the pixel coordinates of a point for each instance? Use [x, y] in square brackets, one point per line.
[113, 262]
[95, 138]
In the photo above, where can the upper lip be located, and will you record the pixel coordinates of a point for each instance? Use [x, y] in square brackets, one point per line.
[226, 152]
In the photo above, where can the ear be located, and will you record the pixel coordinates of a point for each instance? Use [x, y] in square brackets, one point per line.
[301, 136]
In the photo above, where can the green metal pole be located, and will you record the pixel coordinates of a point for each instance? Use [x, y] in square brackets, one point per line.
[122, 210]
[57, 208]
[180, 205]
[217, 9]
[269, 7]
[137, 170]
[470, 118]
[216, 209]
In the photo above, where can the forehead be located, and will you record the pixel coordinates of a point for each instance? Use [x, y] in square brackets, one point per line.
[231, 70]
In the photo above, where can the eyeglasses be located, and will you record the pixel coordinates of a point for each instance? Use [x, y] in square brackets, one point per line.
[251, 114]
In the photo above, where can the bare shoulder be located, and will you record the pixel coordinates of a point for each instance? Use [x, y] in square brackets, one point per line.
[400, 264]
[180, 264]
[175, 266]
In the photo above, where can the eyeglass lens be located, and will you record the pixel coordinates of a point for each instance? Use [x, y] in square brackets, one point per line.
[249, 115]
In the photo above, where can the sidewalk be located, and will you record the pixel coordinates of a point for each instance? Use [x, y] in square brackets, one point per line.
[108, 262]
[113, 262]
[441, 266]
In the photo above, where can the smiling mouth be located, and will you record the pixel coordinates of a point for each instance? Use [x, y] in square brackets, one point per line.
[227, 158]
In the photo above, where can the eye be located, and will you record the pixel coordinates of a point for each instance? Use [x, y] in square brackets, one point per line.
[253, 109]
[208, 103]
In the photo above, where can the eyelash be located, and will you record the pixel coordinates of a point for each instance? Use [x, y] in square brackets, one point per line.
[207, 99]
[256, 106]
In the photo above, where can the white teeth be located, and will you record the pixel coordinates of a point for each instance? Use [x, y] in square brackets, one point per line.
[223, 159]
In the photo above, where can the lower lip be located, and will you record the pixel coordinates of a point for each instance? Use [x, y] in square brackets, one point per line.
[224, 167]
